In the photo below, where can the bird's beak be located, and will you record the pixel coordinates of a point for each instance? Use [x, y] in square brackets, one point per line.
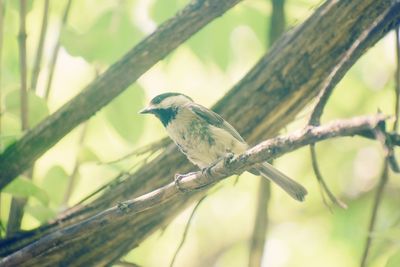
[147, 110]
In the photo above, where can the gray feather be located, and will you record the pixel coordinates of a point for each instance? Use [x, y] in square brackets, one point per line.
[294, 189]
[214, 119]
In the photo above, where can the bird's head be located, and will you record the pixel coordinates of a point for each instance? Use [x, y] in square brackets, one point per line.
[165, 106]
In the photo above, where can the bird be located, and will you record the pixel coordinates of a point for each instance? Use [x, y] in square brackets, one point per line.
[206, 138]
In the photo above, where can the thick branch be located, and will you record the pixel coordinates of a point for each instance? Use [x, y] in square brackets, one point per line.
[118, 77]
[269, 96]
[125, 211]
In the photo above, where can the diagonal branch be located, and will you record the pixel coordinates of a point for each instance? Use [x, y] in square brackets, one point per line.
[125, 211]
[110, 84]
[274, 91]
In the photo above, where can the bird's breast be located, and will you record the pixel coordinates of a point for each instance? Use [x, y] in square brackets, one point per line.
[195, 140]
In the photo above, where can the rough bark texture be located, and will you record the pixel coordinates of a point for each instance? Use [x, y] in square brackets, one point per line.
[19, 156]
[128, 210]
[314, 55]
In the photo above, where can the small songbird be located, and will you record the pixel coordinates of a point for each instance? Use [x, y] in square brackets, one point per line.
[205, 137]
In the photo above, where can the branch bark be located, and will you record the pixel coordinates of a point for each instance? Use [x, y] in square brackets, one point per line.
[19, 156]
[259, 236]
[56, 242]
[279, 85]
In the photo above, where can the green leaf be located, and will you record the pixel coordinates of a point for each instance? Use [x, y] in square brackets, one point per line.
[108, 39]
[122, 113]
[55, 184]
[24, 187]
[394, 260]
[219, 47]
[41, 213]
[86, 154]
[37, 107]
[11, 129]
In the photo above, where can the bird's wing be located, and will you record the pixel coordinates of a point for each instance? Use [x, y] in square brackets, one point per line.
[214, 119]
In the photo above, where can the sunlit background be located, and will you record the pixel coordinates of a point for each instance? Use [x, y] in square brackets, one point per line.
[99, 32]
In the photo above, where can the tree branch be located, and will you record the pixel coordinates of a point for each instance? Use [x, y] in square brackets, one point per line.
[257, 242]
[40, 48]
[56, 50]
[125, 211]
[22, 65]
[18, 203]
[275, 90]
[385, 168]
[186, 230]
[2, 12]
[100, 92]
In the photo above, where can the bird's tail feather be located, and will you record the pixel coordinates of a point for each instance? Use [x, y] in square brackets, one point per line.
[293, 188]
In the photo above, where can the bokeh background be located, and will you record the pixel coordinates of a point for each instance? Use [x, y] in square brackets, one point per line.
[98, 32]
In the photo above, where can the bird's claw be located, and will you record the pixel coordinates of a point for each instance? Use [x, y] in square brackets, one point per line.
[177, 180]
[228, 159]
[206, 171]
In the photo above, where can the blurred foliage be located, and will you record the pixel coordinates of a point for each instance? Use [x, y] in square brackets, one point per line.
[98, 33]
[23, 187]
[107, 40]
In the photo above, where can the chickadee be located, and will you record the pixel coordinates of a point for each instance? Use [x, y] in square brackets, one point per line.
[205, 137]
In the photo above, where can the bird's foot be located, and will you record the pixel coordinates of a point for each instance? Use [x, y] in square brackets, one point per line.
[228, 159]
[177, 180]
[207, 171]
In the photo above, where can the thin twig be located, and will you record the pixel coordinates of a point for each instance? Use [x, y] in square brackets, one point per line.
[2, 13]
[74, 174]
[17, 204]
[185, 232]
[315, 120]
[397, 80]
[120, 177]
[39, 50]
[22, 64]
[259, 235]
[151, 148]
[377, 200]
[322, 183]
[385, 171]
[56, 50]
